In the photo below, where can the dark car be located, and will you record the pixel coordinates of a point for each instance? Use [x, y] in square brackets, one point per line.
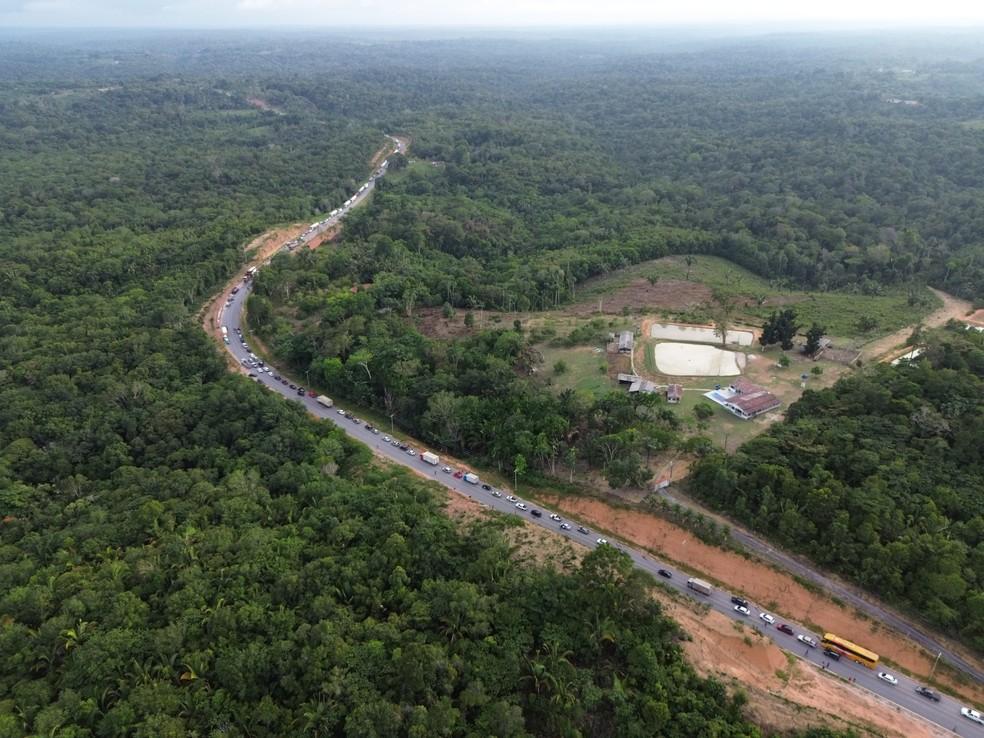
[283, 380]
[536, 513]
[831, 654]
[665, 574]
[581, 529]
[487, 487]
[277, 377]
[292, 386]
[404, 446]
[928, 693]
[785, 629]
[739, 601]
[301, 392]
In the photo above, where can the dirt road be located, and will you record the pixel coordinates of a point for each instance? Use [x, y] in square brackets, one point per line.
[893, 345]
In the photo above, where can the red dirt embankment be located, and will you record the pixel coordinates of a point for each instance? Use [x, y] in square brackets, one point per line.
[784, 695]
[773, 589]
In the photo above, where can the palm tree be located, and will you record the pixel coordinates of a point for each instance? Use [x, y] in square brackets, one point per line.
[689, 260]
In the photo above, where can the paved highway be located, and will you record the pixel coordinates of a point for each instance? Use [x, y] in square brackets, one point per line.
[844, 592]
[945, 713]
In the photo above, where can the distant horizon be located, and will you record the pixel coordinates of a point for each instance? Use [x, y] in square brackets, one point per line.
[483, 15]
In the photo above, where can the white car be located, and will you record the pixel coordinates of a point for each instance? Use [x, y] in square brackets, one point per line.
[602, 541]
[565, 526]
[768, 619]
[806, 640]
[555, 517]
[446, 469]
[340, 411]
[742, 610]
[972, 715]
[520, 505]
[411, 452]
[511, 498]
[386, 439]
[886, 677]
[496, 493]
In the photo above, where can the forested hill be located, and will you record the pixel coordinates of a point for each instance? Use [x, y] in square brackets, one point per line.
[184, 554]
[880, 477]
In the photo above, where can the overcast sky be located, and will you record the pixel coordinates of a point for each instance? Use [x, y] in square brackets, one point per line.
[336, 13]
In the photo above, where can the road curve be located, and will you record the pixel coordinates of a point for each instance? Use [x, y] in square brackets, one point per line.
[944, 714]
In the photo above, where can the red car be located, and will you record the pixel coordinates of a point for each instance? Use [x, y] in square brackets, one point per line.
[312, 393]
[458, 474]
[785, 629]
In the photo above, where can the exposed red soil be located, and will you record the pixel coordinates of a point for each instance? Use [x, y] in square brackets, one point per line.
[774, 589]
[784, 695]
[262, 104]
[641, 296]
[976, 318]
[893, 345]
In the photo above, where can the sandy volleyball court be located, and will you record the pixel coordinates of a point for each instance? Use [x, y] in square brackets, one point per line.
[693, 360]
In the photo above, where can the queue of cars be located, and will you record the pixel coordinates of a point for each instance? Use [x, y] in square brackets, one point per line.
[741, 606]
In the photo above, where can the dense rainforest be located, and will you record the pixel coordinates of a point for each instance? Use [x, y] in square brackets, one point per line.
[520, 189]
[880, 477]
[183, 554]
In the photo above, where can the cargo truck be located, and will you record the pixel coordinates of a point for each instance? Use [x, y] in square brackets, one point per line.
[430, 458]
[471, 478]
[324, 401]
[699, 585]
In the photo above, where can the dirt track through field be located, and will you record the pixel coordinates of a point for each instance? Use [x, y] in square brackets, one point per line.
[889, 347]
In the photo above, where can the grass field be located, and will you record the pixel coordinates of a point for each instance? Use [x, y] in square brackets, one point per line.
[587, 371]
[837, 311]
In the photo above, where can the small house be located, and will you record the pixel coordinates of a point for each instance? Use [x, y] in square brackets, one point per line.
[625, 342]
[674, 393]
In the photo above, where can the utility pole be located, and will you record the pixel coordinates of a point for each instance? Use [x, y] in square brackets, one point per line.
[934, 666]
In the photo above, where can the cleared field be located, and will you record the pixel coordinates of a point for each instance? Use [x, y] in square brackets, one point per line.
[673, 294]
[584, 370]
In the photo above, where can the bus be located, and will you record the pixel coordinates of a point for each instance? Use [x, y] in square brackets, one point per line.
[851, 650]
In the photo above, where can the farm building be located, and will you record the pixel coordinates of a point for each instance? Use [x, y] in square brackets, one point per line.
[674, 393]
[627, 378]
[625, 342]
[745, 399]
[642, 385]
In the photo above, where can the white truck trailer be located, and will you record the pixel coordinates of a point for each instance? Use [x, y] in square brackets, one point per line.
[430, 458]
[324, 401]
[700, 586]
[471, 478]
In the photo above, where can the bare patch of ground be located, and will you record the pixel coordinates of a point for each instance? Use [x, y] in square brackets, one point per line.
[773, 589]
[894, 344]
[639, 294]
[257, 251]
[261, 104]
[432, 323]
[976, 318]
[532, 545]
[785, 695]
